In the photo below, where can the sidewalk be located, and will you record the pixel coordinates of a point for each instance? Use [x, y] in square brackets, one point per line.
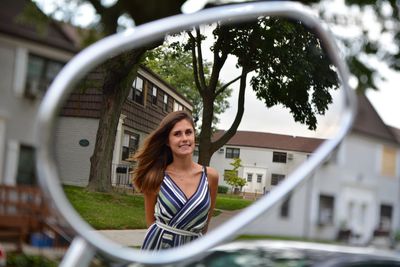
[134, 238]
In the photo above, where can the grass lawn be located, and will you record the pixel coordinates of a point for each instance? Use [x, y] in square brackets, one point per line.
[126, 211]
[108, 210]
[231, 202]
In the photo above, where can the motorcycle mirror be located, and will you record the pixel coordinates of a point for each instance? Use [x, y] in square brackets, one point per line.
[280, 64]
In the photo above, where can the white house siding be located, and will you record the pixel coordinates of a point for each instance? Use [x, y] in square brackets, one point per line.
[73, 160]
[358, 188]
[295, 225]
[324, 182]
[17, 112]
[256, 161]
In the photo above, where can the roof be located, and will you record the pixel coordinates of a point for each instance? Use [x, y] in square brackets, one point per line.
[395, 132]
[368, 121]
[13, 23]
[272, 141]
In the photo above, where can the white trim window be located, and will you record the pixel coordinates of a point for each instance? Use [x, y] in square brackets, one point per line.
[285, 208]
[40, 73]
[130, 144]
[249, 177]
[326, 208]
[232, 153]
[280, 157]
[137, 87]
[259, 178]
[276, 178]
[177, 106]
[165, 102]
[154, 95]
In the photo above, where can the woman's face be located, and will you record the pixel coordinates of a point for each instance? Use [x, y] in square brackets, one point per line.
[181, 138]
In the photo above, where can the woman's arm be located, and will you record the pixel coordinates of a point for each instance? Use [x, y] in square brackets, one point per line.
[149, 205]
[213, 177]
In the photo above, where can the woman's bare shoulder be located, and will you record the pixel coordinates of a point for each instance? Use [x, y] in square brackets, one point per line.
[212, 174]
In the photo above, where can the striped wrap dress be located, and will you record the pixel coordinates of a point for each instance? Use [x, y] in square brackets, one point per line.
[178, 219]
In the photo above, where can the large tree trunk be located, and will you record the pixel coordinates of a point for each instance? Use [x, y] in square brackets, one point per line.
[205, 146]
[119, 74]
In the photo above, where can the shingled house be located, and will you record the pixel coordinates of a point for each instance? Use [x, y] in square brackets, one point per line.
[357, 192]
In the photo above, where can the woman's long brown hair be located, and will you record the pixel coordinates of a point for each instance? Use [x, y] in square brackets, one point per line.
[155, 155]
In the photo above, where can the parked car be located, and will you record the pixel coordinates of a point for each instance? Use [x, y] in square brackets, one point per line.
[280, 253]
[3, 256]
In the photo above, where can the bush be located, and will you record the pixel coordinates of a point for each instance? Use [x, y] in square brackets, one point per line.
[222, 189]
[23, 260]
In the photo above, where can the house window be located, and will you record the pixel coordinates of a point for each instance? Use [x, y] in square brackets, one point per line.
[137, 88]
[26, 174]
[279, 157]
[388, 162]
[325, 211]
[154, 95]
[232, 153]
[130, 144]
[277, 178]
[259, 178]
[228, 173]
[40, 73]
[177, 106]
[284, 212]
[165, 103]
[249, 177]
[385, 218]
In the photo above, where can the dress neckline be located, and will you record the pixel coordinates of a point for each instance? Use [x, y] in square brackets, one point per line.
[179, 188]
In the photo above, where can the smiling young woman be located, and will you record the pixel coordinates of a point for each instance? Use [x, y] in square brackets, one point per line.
[179, 193]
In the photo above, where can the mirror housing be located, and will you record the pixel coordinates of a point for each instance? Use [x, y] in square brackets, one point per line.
[88, 242]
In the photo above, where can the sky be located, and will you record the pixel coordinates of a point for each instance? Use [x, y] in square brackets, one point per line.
[385, 100]
[256, 117]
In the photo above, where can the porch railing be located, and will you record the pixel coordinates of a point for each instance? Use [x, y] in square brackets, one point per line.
[121, 175]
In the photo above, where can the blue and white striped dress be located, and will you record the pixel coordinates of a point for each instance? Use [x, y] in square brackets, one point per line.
[178, 219]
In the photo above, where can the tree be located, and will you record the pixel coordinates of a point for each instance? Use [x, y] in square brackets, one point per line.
[284, 62]
[173, 64]
[232, 178]
[118, 73]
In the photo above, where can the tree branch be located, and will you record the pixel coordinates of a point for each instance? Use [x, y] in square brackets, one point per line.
[239, 114]
[219, 61]
[220, 90]
[194, 62]
[200, 58]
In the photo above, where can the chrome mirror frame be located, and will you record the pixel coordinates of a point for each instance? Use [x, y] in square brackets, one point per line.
[88, 241]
